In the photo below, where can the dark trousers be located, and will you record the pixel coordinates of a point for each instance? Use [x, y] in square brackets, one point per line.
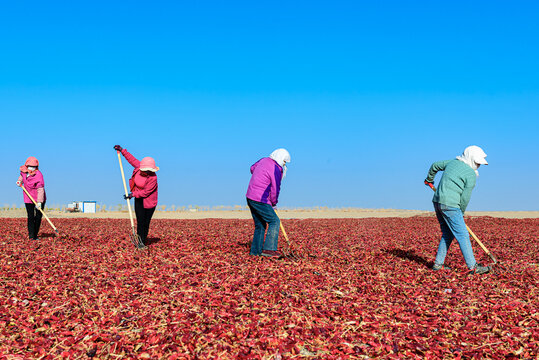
[264, 217]
[34, 219]
[144, 216]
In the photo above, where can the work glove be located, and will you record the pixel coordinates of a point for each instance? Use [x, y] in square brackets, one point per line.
[38, 206]
[19, 183]
[118, 148]
[128, 196]
[429, 184]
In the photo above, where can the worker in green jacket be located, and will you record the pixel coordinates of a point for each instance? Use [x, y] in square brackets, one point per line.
[450, 201]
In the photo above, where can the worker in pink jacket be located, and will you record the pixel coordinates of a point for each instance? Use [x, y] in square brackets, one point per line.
[262, 196]
[143, 185]
[32, 179]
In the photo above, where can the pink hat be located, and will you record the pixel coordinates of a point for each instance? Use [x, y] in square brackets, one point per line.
[31, 161]
[148, 164]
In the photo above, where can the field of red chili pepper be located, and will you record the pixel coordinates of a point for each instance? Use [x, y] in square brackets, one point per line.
[363, 289]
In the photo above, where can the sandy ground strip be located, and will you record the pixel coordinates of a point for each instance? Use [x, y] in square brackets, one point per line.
[285, 214]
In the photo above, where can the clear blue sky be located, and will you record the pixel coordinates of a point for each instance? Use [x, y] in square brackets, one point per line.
[364, 96]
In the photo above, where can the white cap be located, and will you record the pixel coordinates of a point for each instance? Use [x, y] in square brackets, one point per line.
[281, 156]
[476, 154]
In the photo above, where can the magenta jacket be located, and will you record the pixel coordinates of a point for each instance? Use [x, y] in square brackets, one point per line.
[265, 183]
[142, 186]
[35, 185]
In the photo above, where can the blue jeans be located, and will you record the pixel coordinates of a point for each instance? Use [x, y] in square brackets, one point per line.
[264, 216]
[453, 227]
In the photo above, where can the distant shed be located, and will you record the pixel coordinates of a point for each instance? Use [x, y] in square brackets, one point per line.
[83, 206]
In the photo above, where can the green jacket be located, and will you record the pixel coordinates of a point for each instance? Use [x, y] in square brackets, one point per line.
[456, 185]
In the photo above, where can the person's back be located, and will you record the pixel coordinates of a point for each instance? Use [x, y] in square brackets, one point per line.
[458, 179]
[265, 182]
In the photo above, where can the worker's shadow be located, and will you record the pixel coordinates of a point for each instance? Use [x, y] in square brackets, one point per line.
[47, 235]
[245, 244]
[150, 241]
[409, 255]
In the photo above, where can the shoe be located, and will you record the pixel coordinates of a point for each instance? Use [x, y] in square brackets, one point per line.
[480, 269]
[272, 253]
[437, 267]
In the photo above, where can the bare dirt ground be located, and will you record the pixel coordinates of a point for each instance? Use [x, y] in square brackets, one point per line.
[285, 214]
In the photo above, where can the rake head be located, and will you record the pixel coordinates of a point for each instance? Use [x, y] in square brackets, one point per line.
[137, 241]
[290, 254]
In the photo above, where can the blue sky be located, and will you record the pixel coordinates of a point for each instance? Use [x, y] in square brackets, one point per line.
[364, 96]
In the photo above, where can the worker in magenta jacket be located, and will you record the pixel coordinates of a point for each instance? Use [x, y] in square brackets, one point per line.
[143, 185]
[262, 196]
[32, 179]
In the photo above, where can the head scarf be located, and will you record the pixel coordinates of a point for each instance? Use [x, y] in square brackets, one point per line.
[473, 156]
[31, 161]
[281, 157]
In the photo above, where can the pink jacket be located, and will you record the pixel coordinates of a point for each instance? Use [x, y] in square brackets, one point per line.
[35, 185]
[142, 186]
[265, 183]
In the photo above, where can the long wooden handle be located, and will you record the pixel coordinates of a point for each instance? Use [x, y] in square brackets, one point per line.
[481, 244]
[40, 209]
[126, 192]
[283, 230]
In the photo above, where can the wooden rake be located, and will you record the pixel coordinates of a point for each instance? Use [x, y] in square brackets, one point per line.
[135, 238]
[290, 253]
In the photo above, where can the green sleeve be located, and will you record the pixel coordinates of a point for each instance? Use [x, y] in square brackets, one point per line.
[467, 194]
[435, 167]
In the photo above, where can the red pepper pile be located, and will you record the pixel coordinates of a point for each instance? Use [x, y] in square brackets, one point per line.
[363, 289]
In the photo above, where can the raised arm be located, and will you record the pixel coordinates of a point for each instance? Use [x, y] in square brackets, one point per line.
[131, 159]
